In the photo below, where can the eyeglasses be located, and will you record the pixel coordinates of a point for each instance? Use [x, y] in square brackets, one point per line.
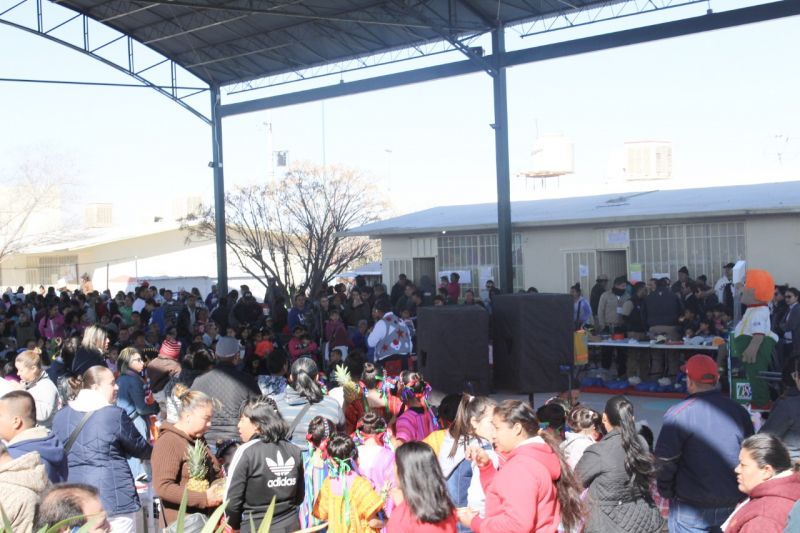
[136, 359]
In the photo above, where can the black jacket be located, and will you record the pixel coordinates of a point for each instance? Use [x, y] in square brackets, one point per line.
[663, 307]
[699, 446]
[616, 504]
[231, 388]
[85, 358]
[594, 298]
[260, 471]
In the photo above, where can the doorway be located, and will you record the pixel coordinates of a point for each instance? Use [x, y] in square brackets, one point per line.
[425, 275]
[612, 263]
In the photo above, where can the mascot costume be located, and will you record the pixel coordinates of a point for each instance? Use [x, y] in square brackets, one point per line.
[753, 339]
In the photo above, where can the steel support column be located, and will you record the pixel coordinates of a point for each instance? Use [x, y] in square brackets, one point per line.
[219, 193]
[506, 278]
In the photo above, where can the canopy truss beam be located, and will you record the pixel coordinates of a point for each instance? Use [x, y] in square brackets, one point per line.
[89, 37]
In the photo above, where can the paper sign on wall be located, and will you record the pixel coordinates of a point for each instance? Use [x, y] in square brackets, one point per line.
[618, 237]
[583, 271]
[465, 276]
[636, 273]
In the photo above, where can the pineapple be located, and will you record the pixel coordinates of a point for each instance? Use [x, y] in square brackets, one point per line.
[351, 389]
[196, 456]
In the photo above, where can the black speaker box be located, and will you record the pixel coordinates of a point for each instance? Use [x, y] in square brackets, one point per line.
[532, 336]
[453, 348]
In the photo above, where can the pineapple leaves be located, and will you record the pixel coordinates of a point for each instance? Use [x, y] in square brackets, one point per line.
[182, 510]
[264, 528]
[213, 525]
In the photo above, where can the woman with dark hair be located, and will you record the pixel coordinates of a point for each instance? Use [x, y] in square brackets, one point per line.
[304, 399]
[198, 360]
[765, 473]
[60, 370]
[617, 471]
[266, 466]
[423, 505]
[535, 490]
[472, 427]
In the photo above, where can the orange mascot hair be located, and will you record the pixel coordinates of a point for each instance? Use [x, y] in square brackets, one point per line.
[762, 283]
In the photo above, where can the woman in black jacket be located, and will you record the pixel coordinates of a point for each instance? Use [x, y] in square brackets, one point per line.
[266, 466]
[618, 471]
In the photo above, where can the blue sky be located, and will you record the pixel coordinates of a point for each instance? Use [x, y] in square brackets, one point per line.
[721, 98]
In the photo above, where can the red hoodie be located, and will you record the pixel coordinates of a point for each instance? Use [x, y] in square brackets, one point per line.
[768, 507]
[521, 496]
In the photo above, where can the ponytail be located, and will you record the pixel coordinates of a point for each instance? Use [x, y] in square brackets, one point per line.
[303, 380]
[190, 400]
[568, 488]
[470, 407]
[639, 462]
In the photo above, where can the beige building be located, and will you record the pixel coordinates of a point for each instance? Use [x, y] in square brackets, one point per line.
[558, 242]
[120, 258]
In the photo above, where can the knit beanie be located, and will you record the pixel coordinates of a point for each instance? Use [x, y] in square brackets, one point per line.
[170, 349]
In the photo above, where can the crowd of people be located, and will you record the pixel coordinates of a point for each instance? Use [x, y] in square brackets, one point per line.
[688, 310]
[221, 400]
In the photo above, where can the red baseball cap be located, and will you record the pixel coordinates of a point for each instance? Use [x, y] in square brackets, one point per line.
[702, 369]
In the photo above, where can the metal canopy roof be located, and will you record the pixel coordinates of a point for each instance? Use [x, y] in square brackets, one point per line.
[228, 41]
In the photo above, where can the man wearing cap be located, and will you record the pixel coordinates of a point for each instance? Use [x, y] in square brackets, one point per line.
[699, 446]
[228, 386]
[597, 291]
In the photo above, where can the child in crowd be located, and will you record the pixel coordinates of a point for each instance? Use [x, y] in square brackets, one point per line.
[448, 409]
[347, 501]
[375, 455]
[376, 395]
[687, 321]
[422, 503]
[472, 429]
[552, 419]
[335, 358]
[336, 333]
[584, 430]
[277, 366]
[416, 421]
[315, 466]
[301, 344]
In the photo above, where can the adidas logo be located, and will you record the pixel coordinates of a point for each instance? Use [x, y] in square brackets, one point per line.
[282, 482]
[279, 467]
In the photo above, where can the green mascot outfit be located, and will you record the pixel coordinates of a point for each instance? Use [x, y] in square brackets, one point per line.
[753, 338]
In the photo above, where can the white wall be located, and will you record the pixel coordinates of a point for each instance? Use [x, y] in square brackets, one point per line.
[772, 243]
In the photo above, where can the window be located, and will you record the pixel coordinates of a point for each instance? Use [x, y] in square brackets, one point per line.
[478, 254]
[703, 248]
[48, 270]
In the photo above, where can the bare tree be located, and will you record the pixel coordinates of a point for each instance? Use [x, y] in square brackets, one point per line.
[292, 230]
[35, 189]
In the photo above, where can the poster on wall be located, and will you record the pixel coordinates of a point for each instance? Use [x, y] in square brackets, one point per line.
[583, 271]
[465, 276]
[636, 275]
